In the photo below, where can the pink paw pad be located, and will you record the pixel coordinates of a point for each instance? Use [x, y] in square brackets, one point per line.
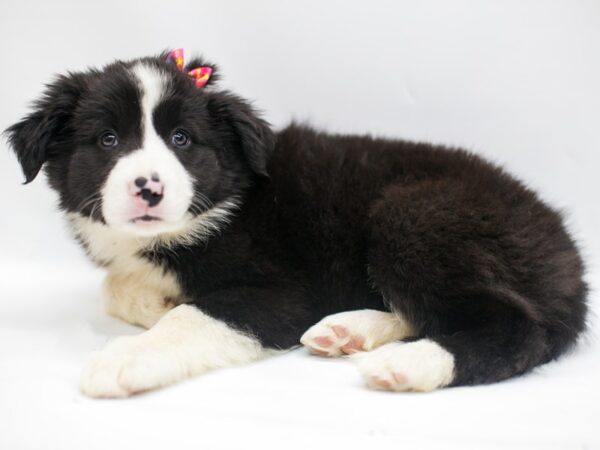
[380, 383]
[323, 341]
[400, 378]
[356, 344]
[340, 331]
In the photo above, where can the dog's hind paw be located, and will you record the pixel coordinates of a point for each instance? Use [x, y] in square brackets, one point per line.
[354, 331]
[415, 366]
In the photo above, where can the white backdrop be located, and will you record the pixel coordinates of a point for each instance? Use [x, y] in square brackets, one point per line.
[515, 80]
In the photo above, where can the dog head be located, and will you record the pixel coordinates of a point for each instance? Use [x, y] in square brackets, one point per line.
[138, 147]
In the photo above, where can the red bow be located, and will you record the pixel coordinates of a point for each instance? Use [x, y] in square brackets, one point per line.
[199, 74]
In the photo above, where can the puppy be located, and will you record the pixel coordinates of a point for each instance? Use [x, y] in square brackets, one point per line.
[230, 242]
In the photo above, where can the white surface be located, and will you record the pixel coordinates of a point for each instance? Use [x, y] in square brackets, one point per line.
[515, 80]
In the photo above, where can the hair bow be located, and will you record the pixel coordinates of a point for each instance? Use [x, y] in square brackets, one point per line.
[200, 75]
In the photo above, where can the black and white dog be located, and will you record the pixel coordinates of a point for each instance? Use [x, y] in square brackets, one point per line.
[230, 242]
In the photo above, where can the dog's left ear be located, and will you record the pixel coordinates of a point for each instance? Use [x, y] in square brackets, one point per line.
[45, 130]
[253, 134]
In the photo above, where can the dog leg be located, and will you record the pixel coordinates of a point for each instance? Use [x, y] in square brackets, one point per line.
[185, 342]
[353, 331]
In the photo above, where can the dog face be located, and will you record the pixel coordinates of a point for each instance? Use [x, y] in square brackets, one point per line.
[139, 148]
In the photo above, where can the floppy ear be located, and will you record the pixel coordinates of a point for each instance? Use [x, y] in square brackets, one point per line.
[253, 134]
[41, 133]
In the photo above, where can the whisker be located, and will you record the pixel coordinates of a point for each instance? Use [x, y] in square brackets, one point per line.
[88, 200]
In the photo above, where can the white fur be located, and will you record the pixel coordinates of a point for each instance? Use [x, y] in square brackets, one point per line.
[153, 157]
[184, 343]
[141, 296]
[420, 366]
[372, 328]
[135, 290]
[115, 247]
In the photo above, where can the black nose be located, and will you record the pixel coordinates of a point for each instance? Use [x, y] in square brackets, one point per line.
[150, 190]
[153, 198]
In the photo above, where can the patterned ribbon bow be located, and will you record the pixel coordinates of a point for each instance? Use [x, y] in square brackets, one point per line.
[200, 75]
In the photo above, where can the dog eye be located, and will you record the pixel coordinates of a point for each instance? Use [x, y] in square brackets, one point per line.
[108, 139]
[180, 138]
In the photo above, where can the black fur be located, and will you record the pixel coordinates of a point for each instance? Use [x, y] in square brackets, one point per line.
[329, 223]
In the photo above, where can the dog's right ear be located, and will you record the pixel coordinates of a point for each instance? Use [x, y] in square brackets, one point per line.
[42, 133]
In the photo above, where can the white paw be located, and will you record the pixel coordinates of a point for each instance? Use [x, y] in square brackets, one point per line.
[125, 367]
[415, 366]
[353, 331]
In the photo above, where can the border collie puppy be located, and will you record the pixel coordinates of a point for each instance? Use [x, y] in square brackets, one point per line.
[230, 242]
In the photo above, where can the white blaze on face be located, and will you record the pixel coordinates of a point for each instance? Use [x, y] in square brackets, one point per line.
[119, 205]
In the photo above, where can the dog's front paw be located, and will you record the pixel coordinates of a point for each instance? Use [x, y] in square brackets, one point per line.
[353, 331]
[126, 366]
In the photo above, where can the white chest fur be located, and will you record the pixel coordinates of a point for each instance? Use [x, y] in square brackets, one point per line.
[135, 290]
